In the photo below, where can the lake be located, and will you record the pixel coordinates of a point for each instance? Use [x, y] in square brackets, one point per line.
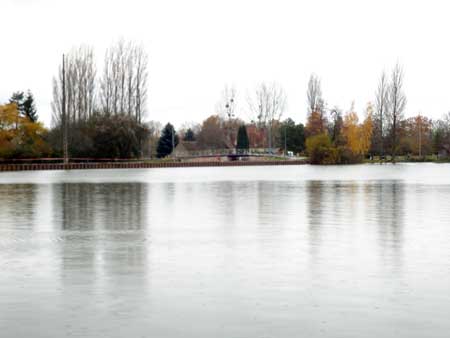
[263, 252]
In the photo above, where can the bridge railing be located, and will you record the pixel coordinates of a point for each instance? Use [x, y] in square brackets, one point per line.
[226, 152]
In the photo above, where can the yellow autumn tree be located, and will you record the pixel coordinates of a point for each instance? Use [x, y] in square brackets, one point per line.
[366, 130]
[9, 117]
[358, 136]
[19, 136]
[350, 131]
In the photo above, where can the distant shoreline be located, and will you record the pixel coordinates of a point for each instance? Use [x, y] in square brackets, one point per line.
[143, 165]
[180, 164]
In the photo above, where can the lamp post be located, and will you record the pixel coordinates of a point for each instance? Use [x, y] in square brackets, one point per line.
[173, 141]
[420, 136]
[285, 141]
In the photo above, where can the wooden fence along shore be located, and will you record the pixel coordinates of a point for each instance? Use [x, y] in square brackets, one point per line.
[140, 165]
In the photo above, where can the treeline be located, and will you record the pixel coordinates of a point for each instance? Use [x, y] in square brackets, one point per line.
[119, 89]
[99, 136]
[384, 133]
[330, 135]
[105, 114]
[104, 111]
[220, 133]
[266, 130]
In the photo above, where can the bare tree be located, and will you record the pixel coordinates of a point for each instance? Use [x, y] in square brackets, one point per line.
[80, 86]
[123, 88]
[268, 105]
[154, 132]
[382, 108]
[226, 107]
[314, 95]
[336, 125]
[316, 117]
[226, 110]
[106, 86]
[123, 85]
[212, 133]
[397, 103]
[141, 76]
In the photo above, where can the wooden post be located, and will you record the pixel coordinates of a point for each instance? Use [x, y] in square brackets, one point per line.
[64, 114]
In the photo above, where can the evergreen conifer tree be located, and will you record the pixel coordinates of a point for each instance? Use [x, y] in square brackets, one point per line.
[29, 107]
[25, 105]
[18, 98]
[242, 139]
[189, 136]
[167, 142]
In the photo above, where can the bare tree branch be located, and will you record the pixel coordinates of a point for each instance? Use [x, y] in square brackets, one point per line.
[397, 103]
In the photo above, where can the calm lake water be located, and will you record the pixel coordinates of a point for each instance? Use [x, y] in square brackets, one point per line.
[264, 252]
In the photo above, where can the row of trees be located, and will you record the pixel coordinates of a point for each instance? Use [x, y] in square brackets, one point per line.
[390, 103]
[119, 89]
[384, 131]
[105, 112]
[343, 140]
[100, 136]
[224, 130]
[219, 133]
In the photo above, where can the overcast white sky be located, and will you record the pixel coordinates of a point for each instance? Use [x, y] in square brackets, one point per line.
[197, 46]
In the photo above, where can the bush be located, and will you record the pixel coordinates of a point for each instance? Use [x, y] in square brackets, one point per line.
[321, 150]
[346, 156]
[119, 136]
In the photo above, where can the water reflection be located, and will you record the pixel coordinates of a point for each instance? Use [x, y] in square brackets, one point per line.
[316, 212]
[104, 239]
[390, 204]
[90, 206]
[18, 205]
[341, 215]
[249, 257]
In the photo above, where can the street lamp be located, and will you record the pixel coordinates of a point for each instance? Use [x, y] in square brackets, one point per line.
[285, 141]
[173, 141]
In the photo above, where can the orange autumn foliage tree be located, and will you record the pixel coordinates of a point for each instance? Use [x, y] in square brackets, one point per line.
[19, 136]
[316, 124]
[416, 136]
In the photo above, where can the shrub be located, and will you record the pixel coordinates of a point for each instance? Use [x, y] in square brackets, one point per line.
[118, 136]
[321, 150]
[346, 156]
